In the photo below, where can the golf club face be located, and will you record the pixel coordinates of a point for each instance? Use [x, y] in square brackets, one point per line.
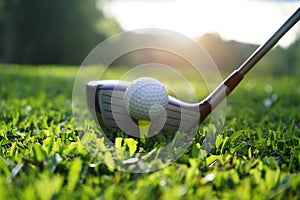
[106, 103]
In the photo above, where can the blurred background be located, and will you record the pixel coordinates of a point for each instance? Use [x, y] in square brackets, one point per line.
[65, 31]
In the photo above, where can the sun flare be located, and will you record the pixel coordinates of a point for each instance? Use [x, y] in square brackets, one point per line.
[241, 20]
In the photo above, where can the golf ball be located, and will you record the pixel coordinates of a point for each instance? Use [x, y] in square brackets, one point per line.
[146, 99]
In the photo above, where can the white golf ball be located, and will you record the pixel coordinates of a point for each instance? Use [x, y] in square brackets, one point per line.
[146, 99]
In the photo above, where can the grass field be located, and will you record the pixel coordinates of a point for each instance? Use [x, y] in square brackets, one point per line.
[257, 155]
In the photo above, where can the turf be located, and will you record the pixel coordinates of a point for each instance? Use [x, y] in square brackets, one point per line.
[42, 156]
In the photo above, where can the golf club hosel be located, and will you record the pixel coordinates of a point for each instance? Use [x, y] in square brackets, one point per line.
[224, 89]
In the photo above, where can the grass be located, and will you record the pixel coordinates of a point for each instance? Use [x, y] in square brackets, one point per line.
[42, 155]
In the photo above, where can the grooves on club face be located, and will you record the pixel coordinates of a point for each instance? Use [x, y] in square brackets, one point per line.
[106, 103]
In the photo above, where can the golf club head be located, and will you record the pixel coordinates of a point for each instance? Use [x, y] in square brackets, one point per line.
[105, 100]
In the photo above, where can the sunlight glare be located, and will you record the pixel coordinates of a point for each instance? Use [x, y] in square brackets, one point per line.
[241, 20]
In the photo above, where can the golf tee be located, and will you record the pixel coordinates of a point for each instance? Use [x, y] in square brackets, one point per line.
[144, 126]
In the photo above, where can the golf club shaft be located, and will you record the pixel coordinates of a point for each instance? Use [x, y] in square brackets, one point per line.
[235, 78]
[263, 49]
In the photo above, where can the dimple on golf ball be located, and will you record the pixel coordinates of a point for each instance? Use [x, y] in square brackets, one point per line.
[146, 99]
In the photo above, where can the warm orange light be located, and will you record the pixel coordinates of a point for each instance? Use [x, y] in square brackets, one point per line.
[242, 20]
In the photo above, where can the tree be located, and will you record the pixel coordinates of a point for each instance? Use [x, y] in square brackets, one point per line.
[6, 29]
[50, 31]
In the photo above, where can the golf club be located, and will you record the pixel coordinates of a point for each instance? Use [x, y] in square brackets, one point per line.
[105, 98]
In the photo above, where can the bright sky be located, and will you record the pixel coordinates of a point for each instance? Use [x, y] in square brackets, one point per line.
[252, 21]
